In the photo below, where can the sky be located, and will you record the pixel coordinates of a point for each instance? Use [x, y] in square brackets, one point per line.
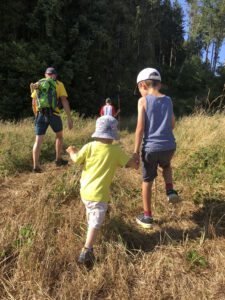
[185, 9]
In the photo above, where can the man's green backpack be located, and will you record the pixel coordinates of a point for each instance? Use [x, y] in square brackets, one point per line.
[46, 94]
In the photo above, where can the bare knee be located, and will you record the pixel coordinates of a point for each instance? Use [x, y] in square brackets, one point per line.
[147, 184]
[59, 136]
[38, 141]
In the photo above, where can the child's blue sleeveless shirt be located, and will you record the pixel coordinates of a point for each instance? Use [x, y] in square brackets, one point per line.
[158, 134]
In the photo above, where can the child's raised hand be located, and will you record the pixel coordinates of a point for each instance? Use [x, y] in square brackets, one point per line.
[71, 150]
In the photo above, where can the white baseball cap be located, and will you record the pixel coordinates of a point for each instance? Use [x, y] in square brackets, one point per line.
[148, 73]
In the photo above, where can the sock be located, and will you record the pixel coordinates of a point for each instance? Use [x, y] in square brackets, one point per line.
[147, 213]
[169, 186]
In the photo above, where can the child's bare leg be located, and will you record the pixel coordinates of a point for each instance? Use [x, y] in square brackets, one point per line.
[95, 214]
[87, 256]
[145, 220]
[146, 197]
[165, 164]
[172, 195]
[91, 237]
[168, 177]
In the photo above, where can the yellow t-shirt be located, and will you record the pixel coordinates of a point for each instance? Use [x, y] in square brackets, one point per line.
[100, 163]
[60, 92]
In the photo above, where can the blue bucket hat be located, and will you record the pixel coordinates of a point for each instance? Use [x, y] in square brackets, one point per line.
[106, 128]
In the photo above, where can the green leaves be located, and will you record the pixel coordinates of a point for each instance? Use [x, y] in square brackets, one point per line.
[26, 236]
[195, 259]
[207, 20]
[107, 41]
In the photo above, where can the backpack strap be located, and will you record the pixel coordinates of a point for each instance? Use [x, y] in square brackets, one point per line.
[52, 94]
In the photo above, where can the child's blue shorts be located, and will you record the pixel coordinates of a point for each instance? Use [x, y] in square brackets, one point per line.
[151, 161]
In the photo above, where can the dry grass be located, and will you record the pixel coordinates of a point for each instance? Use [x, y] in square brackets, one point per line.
[42, 222]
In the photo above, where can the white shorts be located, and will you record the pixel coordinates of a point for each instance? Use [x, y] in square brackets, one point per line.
[95, 212]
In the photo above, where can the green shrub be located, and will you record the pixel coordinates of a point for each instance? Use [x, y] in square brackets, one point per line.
[208, 160]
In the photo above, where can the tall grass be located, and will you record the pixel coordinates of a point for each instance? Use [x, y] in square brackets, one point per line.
[42, 222]
[200, 160]
[17, 140]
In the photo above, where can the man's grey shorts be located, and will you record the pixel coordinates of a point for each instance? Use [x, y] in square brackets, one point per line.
[151, 161]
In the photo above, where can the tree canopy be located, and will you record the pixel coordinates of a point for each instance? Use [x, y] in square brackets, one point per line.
[98, 47]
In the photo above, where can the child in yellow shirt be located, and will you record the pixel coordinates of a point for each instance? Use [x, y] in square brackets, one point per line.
[100, 158]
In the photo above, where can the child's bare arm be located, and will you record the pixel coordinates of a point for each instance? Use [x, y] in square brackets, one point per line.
[71, 150]
[139, 128]
[173, 121]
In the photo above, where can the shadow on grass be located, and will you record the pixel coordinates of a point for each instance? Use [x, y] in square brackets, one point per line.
[210, 220]
[211, 217]
[15, 166]
[23, 162]
[147, 239]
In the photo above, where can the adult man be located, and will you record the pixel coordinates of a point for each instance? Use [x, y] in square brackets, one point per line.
[49, 116]
[108, 109]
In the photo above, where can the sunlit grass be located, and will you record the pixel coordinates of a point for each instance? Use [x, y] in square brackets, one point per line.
[43, 226]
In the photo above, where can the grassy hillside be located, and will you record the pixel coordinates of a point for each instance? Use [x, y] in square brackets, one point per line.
[42, 222]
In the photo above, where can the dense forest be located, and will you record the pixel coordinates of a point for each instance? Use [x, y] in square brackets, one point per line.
[99, 46]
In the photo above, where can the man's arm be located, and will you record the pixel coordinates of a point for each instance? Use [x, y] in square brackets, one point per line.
[116, 114]
[33, 88]
[66, 107]
[34, 106]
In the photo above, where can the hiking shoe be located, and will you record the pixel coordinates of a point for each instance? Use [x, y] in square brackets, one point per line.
[145, 222]
[61, 162]
[172, 196]
[86, 257]
[37, 170]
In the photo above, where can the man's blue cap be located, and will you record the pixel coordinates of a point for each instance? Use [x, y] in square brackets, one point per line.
[50, 70]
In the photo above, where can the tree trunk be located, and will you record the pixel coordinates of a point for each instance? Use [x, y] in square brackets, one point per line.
[207, 53]
[212, 55]
[216, 55]
[171, 56]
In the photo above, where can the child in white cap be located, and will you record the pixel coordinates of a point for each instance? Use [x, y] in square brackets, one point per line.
[100, 159]
[154, 137]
